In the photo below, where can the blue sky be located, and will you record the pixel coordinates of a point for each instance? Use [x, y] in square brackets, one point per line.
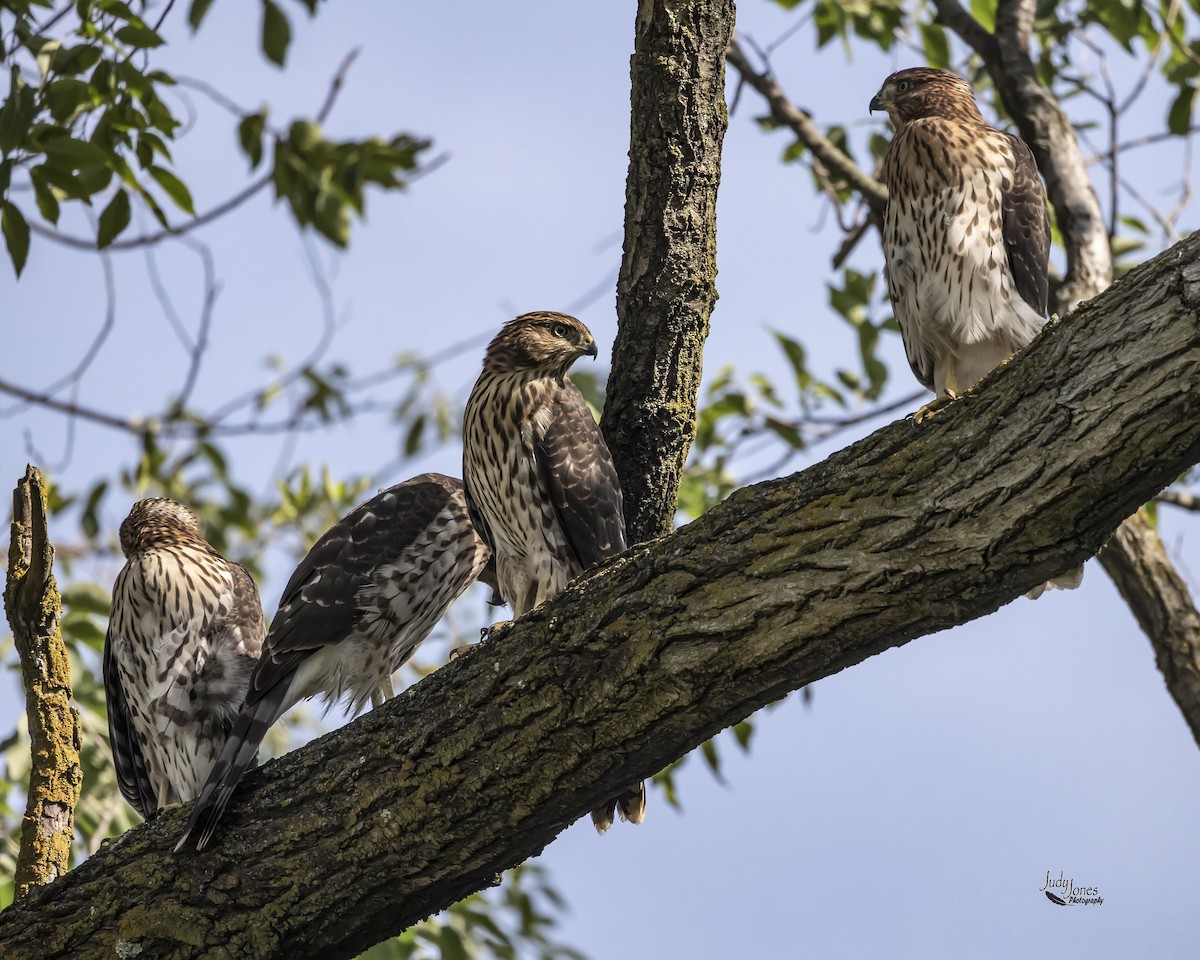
[916, 806]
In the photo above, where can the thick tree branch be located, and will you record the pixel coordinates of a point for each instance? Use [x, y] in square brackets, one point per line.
[824, 150]
[482, 764]
[33, 606]
[1159, 598]
[1180, 498]
[666, 288]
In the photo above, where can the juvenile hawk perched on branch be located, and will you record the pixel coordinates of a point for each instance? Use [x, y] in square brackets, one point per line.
[368, 592]
[184, 632]
[540, 480]
[966, 237]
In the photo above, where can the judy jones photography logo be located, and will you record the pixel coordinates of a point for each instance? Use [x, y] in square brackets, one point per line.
[1065, 893]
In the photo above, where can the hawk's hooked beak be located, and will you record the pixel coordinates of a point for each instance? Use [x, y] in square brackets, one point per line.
[591, 350]
[876, 103]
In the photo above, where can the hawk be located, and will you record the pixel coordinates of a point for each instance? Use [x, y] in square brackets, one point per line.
[368, 592]
[966, 237]
[184, 632]
[540, 481]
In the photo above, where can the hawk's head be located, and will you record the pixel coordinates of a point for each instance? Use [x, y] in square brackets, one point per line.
[544, 342]
[158, 520]
[921, 92]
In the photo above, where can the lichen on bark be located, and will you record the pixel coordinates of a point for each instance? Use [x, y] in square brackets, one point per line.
[34, 608]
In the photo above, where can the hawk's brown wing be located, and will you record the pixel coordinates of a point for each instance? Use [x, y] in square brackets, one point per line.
[320, 602]
[1027, 229]
[132, 777]
[581, 479]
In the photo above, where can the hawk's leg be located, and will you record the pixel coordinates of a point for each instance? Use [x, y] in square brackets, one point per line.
[163, 793]
[383, 693]
[952, 393]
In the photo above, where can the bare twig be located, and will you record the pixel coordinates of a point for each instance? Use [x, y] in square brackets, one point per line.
[34, 608]
[206, 312]
[147, 239]
[1179, 498]
[72, 409]
[226, 103]
[89, 356]
[163, 295]
[821, 147]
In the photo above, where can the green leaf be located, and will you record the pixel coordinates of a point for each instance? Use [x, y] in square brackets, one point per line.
[250, 135]
[66, 96]
[93, 180]
[86, 597]
[412, 440]
[16, 234]
[47, 202]
[304, 135]
[69, 61]
[45, 56]
[937, 47]
[985, 12]
[1179, 117]
[5, 176]
[1121, 20]
[276, 33]
[174, 188]
[139, 36]
[75, 154]
[118, 9]
[81, 629]
[708, 750]
[197, 12]
[795, 354]
[16, 116]
[113, 220]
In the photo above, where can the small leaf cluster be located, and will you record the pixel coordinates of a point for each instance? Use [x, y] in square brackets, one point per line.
[84, 120]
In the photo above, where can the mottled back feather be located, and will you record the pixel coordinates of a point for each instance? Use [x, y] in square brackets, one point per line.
[580, 479]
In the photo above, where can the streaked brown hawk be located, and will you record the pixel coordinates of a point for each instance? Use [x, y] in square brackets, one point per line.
[540, 481]
[356, 608]
[966, 237]
[184, 633]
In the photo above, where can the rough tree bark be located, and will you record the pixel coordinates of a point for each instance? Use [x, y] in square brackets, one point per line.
[480, 765]
[32, 604]
[666, 289]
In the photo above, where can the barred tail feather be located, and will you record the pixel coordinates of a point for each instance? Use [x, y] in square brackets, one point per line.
[630, 806]
[239, 756]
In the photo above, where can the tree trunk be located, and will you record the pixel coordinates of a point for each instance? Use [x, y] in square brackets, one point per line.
[34, 609]
[480, 765]
[666, 289]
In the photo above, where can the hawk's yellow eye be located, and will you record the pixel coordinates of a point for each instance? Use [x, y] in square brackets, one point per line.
[559, 330]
